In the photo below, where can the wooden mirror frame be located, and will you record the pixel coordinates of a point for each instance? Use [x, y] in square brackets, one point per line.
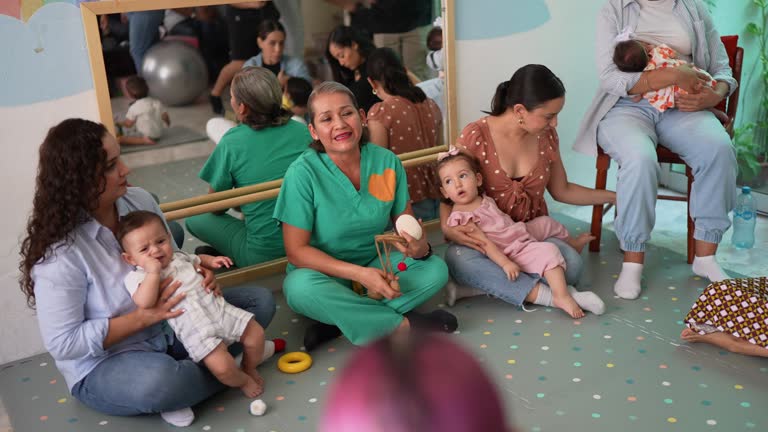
[91, 10]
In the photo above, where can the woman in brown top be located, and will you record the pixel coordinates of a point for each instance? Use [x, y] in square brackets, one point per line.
[518, 150]
[406, 120]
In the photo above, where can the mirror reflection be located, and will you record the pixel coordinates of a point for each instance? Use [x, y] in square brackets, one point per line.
[174, 97]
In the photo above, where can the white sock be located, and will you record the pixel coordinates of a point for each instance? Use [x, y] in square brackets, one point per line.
[544, 296]
[454, 292]
[628, 284]
[708, 267]
[179, 418]
[588, 300]
[269, 350]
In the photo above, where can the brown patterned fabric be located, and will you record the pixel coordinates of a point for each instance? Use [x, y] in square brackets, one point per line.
[522, 199]
[412, 127]
[735, 306]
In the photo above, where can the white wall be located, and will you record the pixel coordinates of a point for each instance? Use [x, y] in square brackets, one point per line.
[24, 128]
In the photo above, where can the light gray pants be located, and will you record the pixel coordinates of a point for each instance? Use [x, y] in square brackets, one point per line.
[629, 133]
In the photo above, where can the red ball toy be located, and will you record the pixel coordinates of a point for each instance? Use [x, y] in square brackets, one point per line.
[401, 266]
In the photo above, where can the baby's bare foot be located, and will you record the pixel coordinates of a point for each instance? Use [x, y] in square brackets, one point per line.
[569, 305]
[579, 242]
[252, 388]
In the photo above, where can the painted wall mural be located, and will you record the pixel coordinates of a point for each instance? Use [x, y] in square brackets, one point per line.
[507, 17]
[24, 9]
[44, 57]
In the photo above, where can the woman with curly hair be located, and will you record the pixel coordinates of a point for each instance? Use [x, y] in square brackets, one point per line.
[258, 150]
[116, 359]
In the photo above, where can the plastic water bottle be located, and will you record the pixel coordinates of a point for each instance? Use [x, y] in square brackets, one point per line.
[744, 217]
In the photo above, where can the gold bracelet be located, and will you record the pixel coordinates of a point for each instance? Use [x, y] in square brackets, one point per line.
[648, 85]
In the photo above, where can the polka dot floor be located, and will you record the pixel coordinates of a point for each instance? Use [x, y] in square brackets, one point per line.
[626, 370]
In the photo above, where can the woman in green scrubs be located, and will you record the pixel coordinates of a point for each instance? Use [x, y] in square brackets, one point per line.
[257, 150]
[335, 198]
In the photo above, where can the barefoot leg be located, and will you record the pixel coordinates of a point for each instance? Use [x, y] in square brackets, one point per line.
[579, 242]
[726, 341]
[561, 298]
[222, 365]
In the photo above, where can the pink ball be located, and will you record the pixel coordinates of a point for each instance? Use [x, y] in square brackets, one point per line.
[401, 266]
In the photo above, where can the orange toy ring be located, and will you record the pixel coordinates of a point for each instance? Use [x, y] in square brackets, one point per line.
[294, 362]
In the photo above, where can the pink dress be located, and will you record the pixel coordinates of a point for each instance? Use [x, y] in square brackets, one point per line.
[520, 241]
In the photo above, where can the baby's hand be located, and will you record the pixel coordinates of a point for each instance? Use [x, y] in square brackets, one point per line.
[152, 265]
[512, 270]
[220, 261]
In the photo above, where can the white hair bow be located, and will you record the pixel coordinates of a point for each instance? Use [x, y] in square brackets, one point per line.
[625, 35]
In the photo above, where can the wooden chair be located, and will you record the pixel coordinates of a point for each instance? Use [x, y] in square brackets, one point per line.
[727, 116]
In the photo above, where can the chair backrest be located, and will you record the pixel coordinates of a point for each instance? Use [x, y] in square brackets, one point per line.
[735, 59]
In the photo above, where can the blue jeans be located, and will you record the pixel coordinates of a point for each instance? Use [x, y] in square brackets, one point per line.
[146, 382]
[143, 30]
[474, 269]
[629, 134]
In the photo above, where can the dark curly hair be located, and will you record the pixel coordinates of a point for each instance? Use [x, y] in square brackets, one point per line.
[70, 178]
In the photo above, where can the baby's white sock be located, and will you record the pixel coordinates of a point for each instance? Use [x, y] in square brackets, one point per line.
[269, 350]
[179, 418]
[708, 267]
[588, 300]
[628, 284]
[544, 296]
[454, 292]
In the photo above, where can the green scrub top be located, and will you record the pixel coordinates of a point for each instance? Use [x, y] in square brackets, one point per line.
[316, 196]
[245, 157]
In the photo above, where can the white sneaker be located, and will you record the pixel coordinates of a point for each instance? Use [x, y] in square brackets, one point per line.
[179, 418]
[454, 292]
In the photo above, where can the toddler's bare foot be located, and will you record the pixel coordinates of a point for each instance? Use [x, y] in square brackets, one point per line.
[569, 305]
[579, 242]
[252, 388]
[255, 375]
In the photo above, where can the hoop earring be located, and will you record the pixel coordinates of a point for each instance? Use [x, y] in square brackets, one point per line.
[373, 91]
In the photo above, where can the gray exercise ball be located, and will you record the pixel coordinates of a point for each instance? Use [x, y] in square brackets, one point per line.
[175, 72]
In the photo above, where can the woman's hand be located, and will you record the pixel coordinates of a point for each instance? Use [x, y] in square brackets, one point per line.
[282, 77]
[465, 235]
[166, 301]
[689, 79]
[413, 248]
[706, 98]
[376, 280]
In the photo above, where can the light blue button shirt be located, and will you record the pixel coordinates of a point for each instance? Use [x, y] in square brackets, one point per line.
[290, 65]
[79, 287]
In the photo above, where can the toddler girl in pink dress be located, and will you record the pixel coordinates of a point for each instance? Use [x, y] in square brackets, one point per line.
[514, 246]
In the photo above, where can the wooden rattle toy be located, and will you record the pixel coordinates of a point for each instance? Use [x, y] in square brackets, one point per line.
[385, 242]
